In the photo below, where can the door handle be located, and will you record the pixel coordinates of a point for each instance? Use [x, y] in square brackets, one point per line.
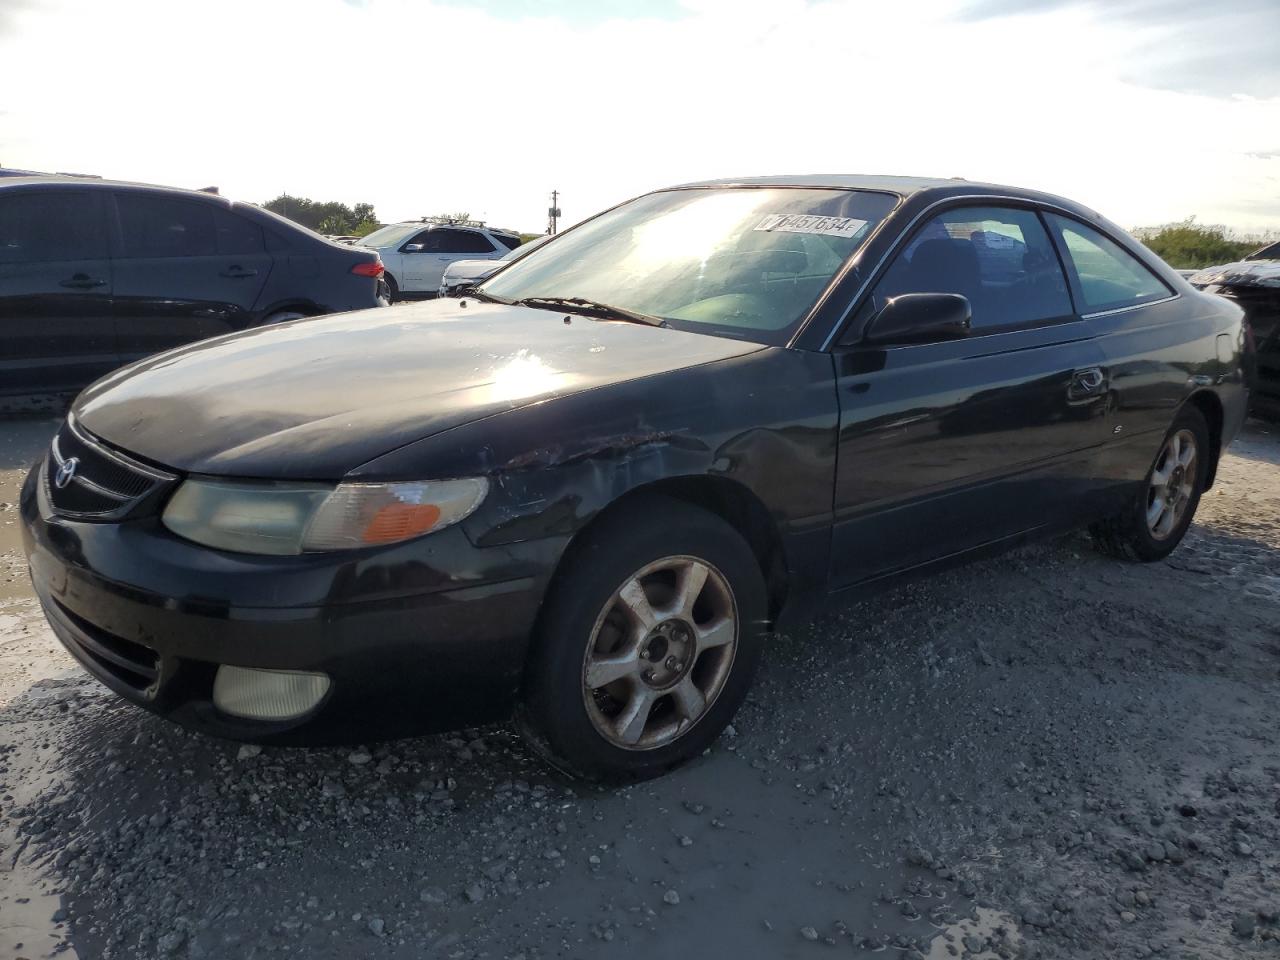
[238, 273]
[1089, 382]
[82, 281]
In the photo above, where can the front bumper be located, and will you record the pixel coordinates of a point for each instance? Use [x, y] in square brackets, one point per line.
[428, 635]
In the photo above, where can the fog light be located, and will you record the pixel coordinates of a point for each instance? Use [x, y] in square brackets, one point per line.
[267, 694]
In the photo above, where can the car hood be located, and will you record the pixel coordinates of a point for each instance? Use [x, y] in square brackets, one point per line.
[315, 398]
[1245, 273]
[471, 269]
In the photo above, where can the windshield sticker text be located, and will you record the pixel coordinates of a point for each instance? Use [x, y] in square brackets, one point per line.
[806, 223]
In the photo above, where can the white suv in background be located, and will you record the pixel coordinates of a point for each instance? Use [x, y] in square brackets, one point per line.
[467, 273]
[416, 252]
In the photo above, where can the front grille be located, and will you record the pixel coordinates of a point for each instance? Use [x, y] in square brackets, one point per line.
[86, 479]
[131, 663]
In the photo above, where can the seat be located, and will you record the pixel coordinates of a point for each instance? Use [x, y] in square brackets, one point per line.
[946, 266]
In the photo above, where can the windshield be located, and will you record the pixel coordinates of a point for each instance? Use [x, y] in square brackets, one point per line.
[524, 248]
[386, 236]
[742, 262]
[1266, 253]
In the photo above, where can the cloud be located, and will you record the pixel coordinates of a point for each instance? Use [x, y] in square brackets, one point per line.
[456, 108]
[10, 11]
[1190, 46]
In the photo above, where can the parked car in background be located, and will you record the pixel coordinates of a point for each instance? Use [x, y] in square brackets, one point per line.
[1254, 283]
[587, 494]
[467, 273]
[340, 238]
[95, 274]
[416, 252]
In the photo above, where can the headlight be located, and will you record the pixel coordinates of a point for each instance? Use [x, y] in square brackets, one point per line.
[291, 518]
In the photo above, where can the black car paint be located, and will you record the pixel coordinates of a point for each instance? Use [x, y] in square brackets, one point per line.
[332, 393]
[63, 324]
[825, 457]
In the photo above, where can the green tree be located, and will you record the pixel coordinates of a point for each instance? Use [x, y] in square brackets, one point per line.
[328, 216]
[1189, 245]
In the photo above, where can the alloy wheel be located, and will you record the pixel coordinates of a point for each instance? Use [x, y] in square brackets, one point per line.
[1173, 481]
[660, 653]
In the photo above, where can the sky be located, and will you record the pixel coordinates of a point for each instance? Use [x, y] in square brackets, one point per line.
[1146, 110]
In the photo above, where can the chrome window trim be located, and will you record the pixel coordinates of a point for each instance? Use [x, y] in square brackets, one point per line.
[986, 199]
[1126, 309]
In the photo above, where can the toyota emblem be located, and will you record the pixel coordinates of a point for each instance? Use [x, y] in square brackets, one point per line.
[66, 472]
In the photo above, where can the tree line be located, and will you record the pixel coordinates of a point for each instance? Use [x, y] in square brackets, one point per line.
[1189, 245]
[329, 216]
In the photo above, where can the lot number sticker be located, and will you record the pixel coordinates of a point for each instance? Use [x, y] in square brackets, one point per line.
[805, 223]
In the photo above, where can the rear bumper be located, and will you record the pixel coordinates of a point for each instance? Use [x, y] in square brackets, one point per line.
[399, 665]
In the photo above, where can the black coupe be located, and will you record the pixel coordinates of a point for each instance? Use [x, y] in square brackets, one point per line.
[588, 491]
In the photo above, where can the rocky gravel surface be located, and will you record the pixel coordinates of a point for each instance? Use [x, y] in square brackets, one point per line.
[1050, 754]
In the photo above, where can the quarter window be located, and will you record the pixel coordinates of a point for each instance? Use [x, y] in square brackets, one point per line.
[1109, 276]
[158, 227]
[457, 241]
[1000, 259]
[47, 226]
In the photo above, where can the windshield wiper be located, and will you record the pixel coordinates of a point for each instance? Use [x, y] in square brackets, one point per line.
[487, 297]
[583, 305]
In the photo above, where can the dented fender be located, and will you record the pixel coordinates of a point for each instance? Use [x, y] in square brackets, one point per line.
[554, 466]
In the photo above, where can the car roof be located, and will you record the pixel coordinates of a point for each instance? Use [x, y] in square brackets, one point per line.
[95, 183]
[455, 226]
[901, 186]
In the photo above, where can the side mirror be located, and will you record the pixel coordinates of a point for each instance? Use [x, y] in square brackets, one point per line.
[412, 248]
[921, 318]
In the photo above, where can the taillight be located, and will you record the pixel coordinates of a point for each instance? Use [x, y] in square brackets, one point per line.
[374, 269]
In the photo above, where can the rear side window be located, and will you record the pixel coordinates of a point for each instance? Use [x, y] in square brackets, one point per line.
[1001, 259]
[1109, 276]
[154, 226]
[457, 241]
[47, 226]
[235, 234]
[507, 240]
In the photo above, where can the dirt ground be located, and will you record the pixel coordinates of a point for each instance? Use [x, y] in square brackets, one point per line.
[1050, 754]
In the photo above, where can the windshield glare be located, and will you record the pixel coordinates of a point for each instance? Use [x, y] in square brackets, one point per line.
[386, 236]
[743, 262]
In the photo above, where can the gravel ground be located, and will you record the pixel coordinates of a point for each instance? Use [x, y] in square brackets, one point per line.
[1045, 755]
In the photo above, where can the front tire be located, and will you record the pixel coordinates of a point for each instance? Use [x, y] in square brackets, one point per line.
[393, 288]
[1157, 520]
[647, 644]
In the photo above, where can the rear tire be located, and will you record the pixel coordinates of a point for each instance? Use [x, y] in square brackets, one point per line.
[647, 643]
[1162, 509]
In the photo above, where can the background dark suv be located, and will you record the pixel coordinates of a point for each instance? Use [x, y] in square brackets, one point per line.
[95, 274]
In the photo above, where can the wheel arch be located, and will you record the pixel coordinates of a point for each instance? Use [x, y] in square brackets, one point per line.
[309, 307]
[731, 501]
[1210, 407]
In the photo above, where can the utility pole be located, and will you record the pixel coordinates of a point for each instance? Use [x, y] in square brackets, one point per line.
[553, 212]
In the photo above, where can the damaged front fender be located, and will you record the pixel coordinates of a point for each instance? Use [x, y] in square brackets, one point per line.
[554, 466]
